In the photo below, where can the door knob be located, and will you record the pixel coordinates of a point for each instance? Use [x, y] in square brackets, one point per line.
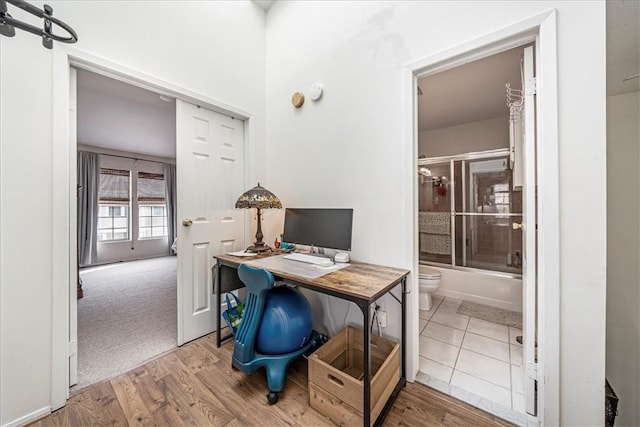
[187, 222]
[516, 225]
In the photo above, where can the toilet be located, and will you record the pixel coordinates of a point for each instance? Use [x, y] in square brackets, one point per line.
[428, 282]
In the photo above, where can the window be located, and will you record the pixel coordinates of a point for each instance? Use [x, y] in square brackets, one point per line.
[152, 214]
[123, 218]
[114, 203]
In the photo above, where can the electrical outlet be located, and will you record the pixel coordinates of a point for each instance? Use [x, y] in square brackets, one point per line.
[382, 316]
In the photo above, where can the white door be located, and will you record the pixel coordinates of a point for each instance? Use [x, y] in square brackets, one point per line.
[72, 345]
[529, 232]
[210, 178]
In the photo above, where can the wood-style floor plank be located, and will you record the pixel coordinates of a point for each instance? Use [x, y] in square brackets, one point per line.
[197, 357]
[252, 390]
[133, 407]
[194, 385]
[85, 413]
[106, 400]
[163, 410]
[203, 400]
[241, 397]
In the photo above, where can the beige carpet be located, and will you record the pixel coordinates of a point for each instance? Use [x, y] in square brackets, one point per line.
[127, 316]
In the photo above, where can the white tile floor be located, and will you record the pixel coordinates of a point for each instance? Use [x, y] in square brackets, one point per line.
[480, 357]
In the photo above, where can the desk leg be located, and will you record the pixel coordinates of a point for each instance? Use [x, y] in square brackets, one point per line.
[403, 351]
[217, 285]
[403, 355]
[366, 409]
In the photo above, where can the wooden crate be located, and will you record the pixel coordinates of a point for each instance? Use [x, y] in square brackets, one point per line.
[335, 376]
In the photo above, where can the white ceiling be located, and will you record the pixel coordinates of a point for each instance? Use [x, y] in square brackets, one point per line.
[468, 93]
[119, 116]
[87, 79]
[464, 94]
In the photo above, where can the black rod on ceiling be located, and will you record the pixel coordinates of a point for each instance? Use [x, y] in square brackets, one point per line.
[8, 24]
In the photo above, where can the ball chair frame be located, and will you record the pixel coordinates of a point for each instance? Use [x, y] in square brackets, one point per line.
[245, 357]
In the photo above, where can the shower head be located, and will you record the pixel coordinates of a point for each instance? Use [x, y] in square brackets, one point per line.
[424, 171]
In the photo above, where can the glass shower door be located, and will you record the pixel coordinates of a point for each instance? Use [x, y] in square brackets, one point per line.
[434, 196]
[469, 214]
[488, 216]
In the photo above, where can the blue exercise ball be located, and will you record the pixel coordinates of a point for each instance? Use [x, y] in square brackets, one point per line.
[287, 322]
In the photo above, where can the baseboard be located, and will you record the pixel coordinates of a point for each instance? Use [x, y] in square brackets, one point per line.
[120, 261]
[29, 418]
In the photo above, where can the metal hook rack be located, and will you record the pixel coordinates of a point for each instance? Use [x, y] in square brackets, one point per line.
[8, 24]
[513, 95]
[514, 102]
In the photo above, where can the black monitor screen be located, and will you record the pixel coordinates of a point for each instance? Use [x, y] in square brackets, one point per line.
[324, 228]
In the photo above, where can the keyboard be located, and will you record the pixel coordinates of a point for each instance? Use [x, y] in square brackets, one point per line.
[309, 259]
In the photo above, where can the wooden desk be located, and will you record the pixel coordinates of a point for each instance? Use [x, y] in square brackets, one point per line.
[360, 283]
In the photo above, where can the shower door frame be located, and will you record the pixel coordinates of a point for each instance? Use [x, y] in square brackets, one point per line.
[463, 158]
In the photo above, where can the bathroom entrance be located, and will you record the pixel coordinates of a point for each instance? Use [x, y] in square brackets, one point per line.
[476, 194]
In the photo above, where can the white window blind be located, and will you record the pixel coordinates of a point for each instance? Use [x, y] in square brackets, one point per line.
[114, 199]
[114, 186]
[150, 188]
[152, 212]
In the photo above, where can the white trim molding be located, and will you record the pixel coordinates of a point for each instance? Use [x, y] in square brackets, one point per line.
[63, 264]
[84, 60]
[29, 418]
[540, 29]
[549, 213]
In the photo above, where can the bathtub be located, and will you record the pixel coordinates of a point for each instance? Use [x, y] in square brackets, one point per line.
[482, 288]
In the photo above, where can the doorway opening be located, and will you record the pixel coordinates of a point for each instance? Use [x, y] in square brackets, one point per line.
[213, 149]
[127, 270]
[471, 247]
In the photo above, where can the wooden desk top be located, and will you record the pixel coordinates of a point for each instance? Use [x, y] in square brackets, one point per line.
[366, 282]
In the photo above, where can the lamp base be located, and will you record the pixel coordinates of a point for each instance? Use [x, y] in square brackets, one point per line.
[258, 248]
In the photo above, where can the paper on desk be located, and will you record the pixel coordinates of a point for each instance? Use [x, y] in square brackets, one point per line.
[279, 263]
[243, 253]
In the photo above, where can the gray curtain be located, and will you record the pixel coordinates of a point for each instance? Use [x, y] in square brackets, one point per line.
[88, 184]
[170, 197]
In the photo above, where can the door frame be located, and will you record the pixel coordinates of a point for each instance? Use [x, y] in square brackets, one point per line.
[64, 269]
[542, 30]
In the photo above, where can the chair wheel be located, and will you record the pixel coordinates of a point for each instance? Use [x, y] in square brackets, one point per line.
[272, 398]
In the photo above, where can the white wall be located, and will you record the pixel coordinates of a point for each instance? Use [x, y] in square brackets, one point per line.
[213, 48]
[623, 254]
[25, 228]
[346, 149]
[483, 135]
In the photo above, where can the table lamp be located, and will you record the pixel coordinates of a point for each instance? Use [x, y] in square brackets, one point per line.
[260, 198]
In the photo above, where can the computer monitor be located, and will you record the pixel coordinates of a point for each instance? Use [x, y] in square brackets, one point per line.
[323, 228]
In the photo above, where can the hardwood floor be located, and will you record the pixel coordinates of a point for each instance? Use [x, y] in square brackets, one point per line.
[195, 385]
